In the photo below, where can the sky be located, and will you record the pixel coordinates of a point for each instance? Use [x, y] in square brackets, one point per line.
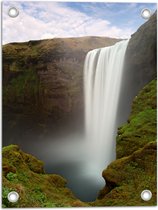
[44, 20]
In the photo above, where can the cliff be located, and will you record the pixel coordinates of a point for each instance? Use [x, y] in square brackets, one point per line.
[140, 63]
[45, 77]
[141, 55]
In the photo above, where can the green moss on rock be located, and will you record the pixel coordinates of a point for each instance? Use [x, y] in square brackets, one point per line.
[24, 174]
[23, 88]
[129, 176]
[141, 126]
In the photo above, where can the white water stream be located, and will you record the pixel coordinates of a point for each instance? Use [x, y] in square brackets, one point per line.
[103, 72]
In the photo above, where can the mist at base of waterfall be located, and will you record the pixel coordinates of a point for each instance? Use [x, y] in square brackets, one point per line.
[69, 158]
[67, 155]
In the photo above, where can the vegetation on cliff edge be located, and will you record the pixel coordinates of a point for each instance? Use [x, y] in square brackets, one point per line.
[141, 126]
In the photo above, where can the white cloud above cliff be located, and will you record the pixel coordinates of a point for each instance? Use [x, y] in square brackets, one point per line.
[42, 20]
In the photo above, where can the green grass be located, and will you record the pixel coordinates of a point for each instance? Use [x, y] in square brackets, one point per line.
[141, 126]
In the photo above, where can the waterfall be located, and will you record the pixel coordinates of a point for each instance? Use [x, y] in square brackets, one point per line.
[103, 72]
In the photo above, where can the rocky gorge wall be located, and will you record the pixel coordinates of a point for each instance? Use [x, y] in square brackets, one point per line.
[43, 83]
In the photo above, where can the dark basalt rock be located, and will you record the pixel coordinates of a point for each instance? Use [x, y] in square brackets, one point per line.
[141, 52]
[140, 64]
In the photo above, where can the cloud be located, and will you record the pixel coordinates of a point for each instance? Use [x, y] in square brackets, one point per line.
[42, 20]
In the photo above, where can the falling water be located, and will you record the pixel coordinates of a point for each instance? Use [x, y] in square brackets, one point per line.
[102, 83]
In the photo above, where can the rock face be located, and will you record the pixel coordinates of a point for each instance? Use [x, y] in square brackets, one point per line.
[45, 77]
[24, 174]
[141, 52]
[140, 62]
[135, 167]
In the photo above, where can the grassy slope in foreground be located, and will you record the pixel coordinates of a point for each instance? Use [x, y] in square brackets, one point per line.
[24, 174]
